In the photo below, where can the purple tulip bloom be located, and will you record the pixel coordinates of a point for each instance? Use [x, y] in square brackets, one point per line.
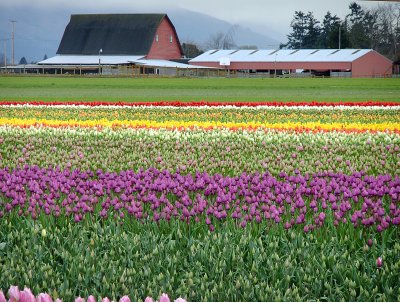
[379, 262]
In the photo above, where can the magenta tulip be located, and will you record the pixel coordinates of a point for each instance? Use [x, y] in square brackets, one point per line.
[164, 298]
[79, 299]
[91, 298]
[379, 262]
[148, 299]
[180, 300]
[27, 296]
[125, 299]
[43, 297]
[2, 297]
[14, 294]
[105, 300]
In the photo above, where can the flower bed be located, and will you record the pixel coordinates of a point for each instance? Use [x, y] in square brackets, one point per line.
[207, 201]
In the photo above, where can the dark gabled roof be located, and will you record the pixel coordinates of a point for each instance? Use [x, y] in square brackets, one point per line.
[115, 34]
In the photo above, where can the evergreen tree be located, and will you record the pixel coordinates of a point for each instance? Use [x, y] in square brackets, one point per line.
[298, 25]
[313, 32]
[362, 27]
[329, 37]
[45, 57]
[305, 31]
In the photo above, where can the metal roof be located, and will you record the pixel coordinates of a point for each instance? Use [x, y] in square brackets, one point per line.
[282, 55]
[89, 60]
[112, 60]
[166, 63]
[115, 34]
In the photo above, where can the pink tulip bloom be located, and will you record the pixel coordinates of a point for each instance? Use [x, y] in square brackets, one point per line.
[91, 299]
[14, 294]
[164, 298]
[43, 297]
[26, 296]
[148, 299]
[180, 300]
[58, 300]
[79, 299]
[379, 262]
[2, 297]
[125, 299]
[105, 300]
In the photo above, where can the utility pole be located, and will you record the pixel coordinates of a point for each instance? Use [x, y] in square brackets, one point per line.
[5, 54]
[339, 36]
[12, 38]
[100, 51]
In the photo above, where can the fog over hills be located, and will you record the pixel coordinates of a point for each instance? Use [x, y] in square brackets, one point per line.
[39, 31]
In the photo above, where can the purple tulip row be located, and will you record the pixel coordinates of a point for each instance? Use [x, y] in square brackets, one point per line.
[306, 200]
[26, 295]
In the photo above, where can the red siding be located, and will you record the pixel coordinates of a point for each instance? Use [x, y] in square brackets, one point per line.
[163, 48]
[281, 65]
[372, 64]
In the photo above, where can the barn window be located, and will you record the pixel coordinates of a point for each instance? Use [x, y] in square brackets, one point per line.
[170, 39]
[156, 38]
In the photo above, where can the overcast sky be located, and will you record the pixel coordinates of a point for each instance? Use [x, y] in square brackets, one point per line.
[41, 23]
[256, 14]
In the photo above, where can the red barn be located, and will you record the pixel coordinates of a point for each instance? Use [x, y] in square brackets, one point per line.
[329, 62]
[150, 36]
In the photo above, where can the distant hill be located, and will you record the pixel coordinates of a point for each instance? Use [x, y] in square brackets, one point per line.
[197, 27]
[39, 31]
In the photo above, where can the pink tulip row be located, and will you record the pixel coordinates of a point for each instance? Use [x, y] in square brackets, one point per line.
[26, 295]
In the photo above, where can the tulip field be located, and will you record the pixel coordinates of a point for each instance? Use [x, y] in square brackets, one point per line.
[203, 201]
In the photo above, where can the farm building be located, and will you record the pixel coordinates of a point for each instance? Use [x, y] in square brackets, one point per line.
[323, 62]
[117, 43]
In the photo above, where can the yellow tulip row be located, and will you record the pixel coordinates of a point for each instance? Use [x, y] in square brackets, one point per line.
[176, 124]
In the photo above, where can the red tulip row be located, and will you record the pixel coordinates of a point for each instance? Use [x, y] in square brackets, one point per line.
[204, 103]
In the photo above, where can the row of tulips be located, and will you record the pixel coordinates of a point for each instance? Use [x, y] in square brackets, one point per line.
[26, 295]
[106, 258]
[308, 201]
[174, 124]
[360, 119]
[205, 103]
[218, 151]
[345, 115]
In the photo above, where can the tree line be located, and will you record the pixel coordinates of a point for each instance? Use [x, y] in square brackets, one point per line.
[377, 28]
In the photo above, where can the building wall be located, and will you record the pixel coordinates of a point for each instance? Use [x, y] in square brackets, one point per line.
[372, 64]
[163, 46]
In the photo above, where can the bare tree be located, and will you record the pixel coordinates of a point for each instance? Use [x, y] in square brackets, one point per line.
[221, 40]
[388, 30]
[191, 49]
